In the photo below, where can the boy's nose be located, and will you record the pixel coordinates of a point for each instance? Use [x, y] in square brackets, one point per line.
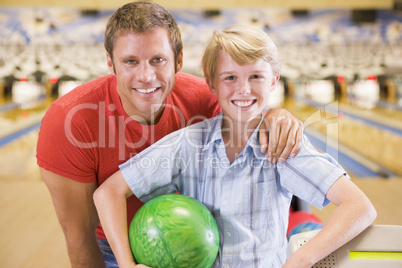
[244, 89]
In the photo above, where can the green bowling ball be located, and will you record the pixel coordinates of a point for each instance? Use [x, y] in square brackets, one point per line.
[174, 230]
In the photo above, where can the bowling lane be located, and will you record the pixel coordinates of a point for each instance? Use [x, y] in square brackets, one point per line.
[6, 104]
[35, 238]
[18, 137]
[387, 110]
[388, 117]
[378, 145]
[3, 100]
[385, 195]
[24, 110]
[18, 159]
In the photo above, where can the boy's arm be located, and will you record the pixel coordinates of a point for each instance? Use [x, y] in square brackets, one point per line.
[353, 214]
[110, 201]
[281, 133]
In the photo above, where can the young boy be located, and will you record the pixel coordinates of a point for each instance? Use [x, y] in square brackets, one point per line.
[219, 163]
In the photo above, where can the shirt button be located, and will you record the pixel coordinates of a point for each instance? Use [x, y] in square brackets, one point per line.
[228, 234]
[226, 266]
[225, 203]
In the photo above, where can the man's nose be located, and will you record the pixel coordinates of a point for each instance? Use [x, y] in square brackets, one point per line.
[145, 73]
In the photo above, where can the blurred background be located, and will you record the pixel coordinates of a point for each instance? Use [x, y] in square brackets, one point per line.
[341, 76]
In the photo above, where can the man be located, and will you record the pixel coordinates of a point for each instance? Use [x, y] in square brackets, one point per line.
[87, 133]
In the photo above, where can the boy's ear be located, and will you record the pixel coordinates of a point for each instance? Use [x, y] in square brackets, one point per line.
[274, 82]
[210, 84]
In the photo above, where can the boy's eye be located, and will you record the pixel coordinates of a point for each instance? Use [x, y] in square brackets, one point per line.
[255, 76]
[230, 77]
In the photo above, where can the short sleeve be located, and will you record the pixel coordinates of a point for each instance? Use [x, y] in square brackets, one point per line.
[310, 174]
[63, 148]
[156, 170]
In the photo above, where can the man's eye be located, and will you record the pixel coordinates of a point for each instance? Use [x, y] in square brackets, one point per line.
[130, 62]
[158, 60]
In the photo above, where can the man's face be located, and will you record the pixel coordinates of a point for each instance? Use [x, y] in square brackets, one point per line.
[144, 66]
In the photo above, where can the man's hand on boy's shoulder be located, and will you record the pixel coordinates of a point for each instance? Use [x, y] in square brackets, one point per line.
[280, 135]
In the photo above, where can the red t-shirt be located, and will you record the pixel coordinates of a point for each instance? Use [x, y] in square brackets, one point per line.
[86, 134]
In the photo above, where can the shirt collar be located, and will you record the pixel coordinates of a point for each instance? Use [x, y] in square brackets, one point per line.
[253, 144]
[215, 137]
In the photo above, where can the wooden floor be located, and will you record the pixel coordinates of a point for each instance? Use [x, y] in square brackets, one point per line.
[30, 235]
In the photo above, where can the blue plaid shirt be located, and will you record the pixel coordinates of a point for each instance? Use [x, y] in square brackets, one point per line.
[249, 198]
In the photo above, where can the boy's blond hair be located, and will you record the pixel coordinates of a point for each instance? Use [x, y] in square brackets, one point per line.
[245, 44]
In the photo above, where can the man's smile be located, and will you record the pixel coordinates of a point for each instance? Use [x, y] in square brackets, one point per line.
[146, 90]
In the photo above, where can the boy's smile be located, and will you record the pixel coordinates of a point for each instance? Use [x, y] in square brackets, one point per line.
[243, 104]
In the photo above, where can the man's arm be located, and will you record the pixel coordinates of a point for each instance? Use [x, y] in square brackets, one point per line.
[110, 200]
[354, 213]
[281, 133]
[78, 218]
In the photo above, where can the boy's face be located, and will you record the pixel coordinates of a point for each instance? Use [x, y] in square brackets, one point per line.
[144, 65]
[242, 90]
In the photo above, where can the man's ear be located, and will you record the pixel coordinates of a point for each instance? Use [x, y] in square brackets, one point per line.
[110, 64]
[210, 85]
[179, 61]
